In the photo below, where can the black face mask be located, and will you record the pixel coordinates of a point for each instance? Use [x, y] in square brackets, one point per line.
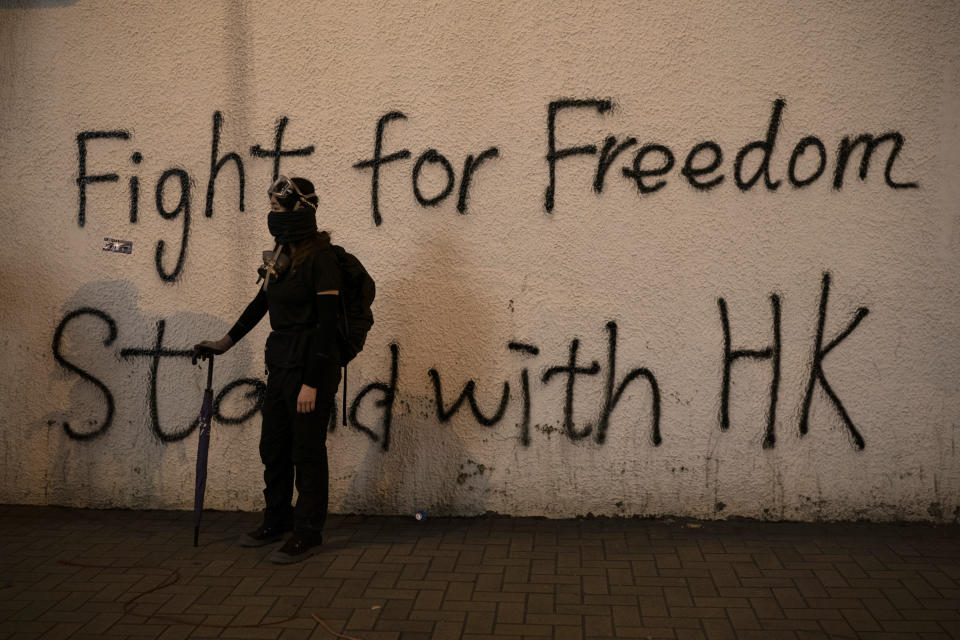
[292, 226]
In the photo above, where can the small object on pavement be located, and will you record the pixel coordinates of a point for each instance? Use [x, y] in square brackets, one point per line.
[420, 516]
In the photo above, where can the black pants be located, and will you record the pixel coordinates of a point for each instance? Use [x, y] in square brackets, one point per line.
[294, 445]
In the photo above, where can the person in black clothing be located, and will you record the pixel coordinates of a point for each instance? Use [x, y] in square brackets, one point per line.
[301, 286]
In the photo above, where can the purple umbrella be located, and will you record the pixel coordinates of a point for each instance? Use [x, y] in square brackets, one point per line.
[203, 445]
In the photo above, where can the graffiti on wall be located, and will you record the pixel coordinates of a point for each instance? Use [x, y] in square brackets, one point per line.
[701, 166]
[648, 171]
[181, 179]
[383, 394]
[254, 389]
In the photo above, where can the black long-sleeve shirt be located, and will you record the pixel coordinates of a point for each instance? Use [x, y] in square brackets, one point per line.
[304, 322]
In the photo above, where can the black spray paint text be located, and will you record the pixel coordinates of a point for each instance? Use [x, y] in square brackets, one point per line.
[383, 394]
[180, 178]
[648, 170]
[701, 165]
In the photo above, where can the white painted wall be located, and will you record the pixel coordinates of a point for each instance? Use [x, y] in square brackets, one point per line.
[454, 290]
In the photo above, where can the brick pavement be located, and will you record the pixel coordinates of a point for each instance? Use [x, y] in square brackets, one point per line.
[71, 573]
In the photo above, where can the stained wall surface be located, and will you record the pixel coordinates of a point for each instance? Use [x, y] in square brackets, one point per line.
[694, 259]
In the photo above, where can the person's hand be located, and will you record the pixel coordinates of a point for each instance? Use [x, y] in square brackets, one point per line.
[208, 347]
[307, 399]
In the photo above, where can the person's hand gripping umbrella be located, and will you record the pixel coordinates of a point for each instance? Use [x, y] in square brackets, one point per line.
[205, 351]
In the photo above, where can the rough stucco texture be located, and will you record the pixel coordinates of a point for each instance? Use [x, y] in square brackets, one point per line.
[873, 260]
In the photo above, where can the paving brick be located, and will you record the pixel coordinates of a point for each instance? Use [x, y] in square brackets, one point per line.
[721, 602]
[667, 561]
[701, 587]
[405, 627]
[554, 619]
[938, 579]
[137, 630]
[791, 625]
[718, 629]
[595, 585]
[489, 582]
[447, 631]
[622, 599]
[766, 608]
[881, 609]
[930, 614]
[838, 628]
[698, 612]
[678, 596]
[725, 577]
[951, 627]
[100, 623]
[789, 598]
[363, 619]
[653, 607]
[814, 614]
[626, 616]
[519, 574]
[511, 612]
[471, 605]
[534, 630]
[583, 609]
[745, 592]
[743, 619]
[384, 579]
[568, 633]
[540, 603]
[911, 626]
[766, 582]
[830, 578]
[860, 620]
[596, 626]
[646, 633]
[479, 622]
[850, 570]
[396, 609]
[833, 603]
[810, 588]
[250, 615]
[428, 599]
[178, 632]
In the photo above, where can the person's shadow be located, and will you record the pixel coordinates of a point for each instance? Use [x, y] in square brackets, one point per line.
[427, 465]
[124, 433]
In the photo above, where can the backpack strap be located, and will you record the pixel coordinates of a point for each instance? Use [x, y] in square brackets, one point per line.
[343, 315]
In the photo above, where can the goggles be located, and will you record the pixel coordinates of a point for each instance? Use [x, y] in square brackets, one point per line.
[288, 194]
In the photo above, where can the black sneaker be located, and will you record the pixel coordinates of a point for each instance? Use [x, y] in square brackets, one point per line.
[297, 549]
[263, 535]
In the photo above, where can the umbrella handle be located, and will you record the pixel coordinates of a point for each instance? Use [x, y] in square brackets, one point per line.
[210, 372]
[205, 356]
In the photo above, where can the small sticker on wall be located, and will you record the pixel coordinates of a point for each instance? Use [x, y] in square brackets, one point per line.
[117, 246]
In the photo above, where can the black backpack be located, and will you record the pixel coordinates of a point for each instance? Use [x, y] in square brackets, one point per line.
[356, 299]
